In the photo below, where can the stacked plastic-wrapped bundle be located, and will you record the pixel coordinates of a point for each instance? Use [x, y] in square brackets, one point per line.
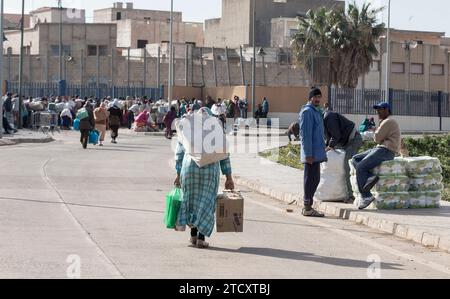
[405, 183]
[425, 182]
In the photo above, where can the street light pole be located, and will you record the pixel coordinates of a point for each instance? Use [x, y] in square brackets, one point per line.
[388, 51]
[170, 90]
[60, 39]
[1, 68]
[21, 65]
[254, 59]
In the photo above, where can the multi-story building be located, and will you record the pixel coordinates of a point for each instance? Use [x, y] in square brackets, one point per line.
[138, 27]
[419, 61]
[235, 27]
[55, 15]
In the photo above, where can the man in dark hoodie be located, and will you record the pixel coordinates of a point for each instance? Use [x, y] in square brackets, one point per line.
[342, 133]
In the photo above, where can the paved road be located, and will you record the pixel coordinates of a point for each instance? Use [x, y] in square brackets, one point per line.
[105, 206]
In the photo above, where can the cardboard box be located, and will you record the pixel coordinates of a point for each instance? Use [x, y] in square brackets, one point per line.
[230, 213]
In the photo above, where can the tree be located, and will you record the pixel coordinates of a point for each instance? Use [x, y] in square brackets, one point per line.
[338, 47]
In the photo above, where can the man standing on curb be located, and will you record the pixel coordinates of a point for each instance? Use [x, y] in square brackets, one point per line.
[312, 149]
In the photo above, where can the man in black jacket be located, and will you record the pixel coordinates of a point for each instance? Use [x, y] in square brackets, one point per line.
[342, 133]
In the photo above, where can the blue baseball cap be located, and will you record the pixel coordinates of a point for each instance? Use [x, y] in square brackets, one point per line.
[382, 105]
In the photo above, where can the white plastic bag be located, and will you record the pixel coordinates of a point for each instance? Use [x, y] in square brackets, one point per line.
[203, 138]
[333, 185]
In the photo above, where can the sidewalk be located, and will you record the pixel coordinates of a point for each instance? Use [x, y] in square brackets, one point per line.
[25, 136]
[429, 227]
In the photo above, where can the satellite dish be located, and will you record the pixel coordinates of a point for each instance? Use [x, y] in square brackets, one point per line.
[69, 58]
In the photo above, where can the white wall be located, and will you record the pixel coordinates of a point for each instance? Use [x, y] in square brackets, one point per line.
[407, 123]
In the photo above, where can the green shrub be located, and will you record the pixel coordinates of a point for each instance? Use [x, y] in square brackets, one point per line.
[287, 155]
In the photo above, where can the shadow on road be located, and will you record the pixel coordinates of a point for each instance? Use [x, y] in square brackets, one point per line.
[304, 256]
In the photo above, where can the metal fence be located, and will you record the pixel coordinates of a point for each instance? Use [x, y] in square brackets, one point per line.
[37, 90]
[404, 103]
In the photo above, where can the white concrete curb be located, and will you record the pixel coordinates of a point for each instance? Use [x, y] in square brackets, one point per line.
[371, 220]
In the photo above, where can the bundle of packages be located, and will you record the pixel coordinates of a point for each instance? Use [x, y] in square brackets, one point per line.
[423, 166]
[429, 199]
[405, 183]
[425, 182]
[36, 106]
[391, 191]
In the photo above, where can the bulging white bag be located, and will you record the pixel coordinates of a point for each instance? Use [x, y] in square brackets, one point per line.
[333, 185]
[203, 138]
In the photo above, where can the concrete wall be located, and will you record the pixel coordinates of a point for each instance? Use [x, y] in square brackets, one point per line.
[213, 33]
[69, 15]
[83, 68]
[281, 99]
[183, 91]
[157, 32]
[407, 124]
[234, 29]
[31, 38]
[108, 15]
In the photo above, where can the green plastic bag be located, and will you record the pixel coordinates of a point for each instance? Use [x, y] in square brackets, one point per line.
[82, 114]
[173, 203]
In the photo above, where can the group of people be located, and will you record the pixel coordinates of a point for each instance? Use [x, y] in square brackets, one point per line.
[322, 130]
[106, 116]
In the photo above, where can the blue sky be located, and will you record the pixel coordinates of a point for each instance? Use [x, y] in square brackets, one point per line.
[406, 14]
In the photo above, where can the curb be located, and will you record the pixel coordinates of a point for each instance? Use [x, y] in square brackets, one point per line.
[15, 141]
[402, 231]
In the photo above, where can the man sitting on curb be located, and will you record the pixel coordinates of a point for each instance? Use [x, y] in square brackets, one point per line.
[312, 148]
[388, 138]
[342, 133]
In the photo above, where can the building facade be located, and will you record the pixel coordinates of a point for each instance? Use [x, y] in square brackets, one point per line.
[55, 15]
[235, 27]
[138, 27]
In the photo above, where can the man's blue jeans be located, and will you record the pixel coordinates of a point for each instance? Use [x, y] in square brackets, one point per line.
[366, 162]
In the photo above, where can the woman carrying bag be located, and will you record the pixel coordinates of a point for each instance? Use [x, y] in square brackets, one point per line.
[101, 116]
[115, 114]
[200, 186]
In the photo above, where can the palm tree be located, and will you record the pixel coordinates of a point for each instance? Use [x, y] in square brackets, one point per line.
[337, 47]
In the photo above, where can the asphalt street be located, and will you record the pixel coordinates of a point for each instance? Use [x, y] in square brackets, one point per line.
[66, 212]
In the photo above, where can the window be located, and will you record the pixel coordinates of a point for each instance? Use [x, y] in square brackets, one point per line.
[54, 50]
[92, 50]
[437, 69]
[293, 32]
[141, 43]
[417, 68]
[398, 68]
[375, 66]
[103, 50]
[118, 16]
